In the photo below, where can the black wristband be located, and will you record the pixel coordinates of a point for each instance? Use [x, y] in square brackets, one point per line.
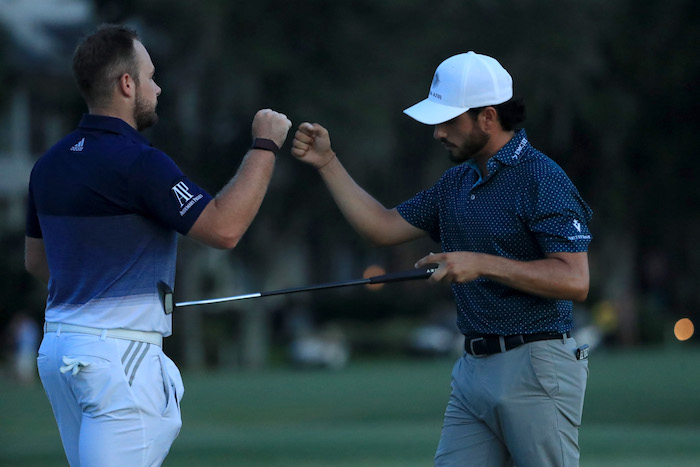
[265, 144]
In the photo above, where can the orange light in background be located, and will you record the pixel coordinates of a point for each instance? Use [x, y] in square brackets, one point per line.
[684, 329]
[371, 271]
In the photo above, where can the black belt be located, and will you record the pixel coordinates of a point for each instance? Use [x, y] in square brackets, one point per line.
[487, 345]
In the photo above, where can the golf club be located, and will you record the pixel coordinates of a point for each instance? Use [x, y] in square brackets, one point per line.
[416, 274]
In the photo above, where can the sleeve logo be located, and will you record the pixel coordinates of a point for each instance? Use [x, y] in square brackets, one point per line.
[184, 197]
[578, 226]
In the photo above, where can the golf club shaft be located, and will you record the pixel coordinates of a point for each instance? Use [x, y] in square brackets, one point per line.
[392, 277]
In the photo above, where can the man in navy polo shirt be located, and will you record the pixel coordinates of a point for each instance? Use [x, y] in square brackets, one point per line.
[104, 212]
[514, 236]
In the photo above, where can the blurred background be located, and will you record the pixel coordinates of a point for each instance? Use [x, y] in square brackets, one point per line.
[612, 96]
[611, 89]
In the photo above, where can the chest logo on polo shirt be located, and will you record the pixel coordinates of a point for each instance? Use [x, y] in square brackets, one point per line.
[184, 197]
[79, 146]
[577, 225]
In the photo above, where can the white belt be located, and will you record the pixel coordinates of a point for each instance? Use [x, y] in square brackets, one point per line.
[140, 336]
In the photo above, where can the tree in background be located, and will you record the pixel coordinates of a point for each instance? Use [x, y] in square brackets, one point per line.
[610, 90]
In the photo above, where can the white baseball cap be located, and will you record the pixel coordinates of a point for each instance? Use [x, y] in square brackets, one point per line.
[460, 83]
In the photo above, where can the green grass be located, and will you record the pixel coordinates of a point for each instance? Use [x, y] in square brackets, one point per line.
[642, 409]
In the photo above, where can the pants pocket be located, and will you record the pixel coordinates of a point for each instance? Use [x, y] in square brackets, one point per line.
[94, 385]
[544, 367]
[172, 382]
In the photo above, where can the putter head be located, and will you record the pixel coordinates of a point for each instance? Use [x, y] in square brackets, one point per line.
[166, 297]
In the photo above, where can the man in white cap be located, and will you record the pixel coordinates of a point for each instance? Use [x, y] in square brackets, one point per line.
[514, 235]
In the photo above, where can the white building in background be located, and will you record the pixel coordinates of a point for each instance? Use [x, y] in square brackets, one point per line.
[39, 37]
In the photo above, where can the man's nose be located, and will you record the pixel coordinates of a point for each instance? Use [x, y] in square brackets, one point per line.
[439, 132]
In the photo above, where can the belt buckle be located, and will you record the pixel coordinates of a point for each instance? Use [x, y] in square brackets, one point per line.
[471, 344]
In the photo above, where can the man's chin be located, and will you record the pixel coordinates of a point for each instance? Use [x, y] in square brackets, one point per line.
[148, 122]
[456, 156]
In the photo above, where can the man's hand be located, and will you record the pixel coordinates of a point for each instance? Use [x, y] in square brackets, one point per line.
[312, 144]
[457, 266]
[272, 125]
[562, 276]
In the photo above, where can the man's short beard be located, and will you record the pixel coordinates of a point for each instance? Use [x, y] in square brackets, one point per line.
[144, 115]
[475, 143]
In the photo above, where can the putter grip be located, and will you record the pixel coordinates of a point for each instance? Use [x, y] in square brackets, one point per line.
[403, 276]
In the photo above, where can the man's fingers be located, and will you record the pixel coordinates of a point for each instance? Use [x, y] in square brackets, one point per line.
[287, 122]
[432, 258]
[299, 144]
[270, 124]
[312, 129]
[303, 137]
[307, 133]
[319, 130]
[439, 274]
[299, 148]
[306, 128]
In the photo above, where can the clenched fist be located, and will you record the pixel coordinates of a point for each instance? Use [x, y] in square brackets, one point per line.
[272, 125]
[312, 144]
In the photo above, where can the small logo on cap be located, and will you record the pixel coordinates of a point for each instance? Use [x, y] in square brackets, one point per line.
[436, 81]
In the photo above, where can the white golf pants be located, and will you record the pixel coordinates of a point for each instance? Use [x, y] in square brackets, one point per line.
[116, 401]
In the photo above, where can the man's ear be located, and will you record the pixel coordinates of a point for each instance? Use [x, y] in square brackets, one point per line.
[126, 85]
[488, 119]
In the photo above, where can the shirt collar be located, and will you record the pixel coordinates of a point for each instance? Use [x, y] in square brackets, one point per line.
[513, 151]
[112, 125]
[510, 154]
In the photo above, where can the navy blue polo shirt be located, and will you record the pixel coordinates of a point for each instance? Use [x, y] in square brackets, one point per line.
[108, 206]
[525, 208]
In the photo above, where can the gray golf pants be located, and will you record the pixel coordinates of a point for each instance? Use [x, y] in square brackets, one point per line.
[522, 407]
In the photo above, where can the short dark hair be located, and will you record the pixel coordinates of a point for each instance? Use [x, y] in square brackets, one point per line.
[101, 58]
[511, 113]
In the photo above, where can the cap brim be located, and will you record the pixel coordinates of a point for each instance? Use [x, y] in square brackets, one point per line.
[432, 113]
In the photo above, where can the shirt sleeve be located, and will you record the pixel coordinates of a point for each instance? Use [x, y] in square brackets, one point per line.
[559, 217]
[160, 190]
[423, 211]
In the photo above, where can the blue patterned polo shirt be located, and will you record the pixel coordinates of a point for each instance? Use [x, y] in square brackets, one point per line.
[525, 208]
